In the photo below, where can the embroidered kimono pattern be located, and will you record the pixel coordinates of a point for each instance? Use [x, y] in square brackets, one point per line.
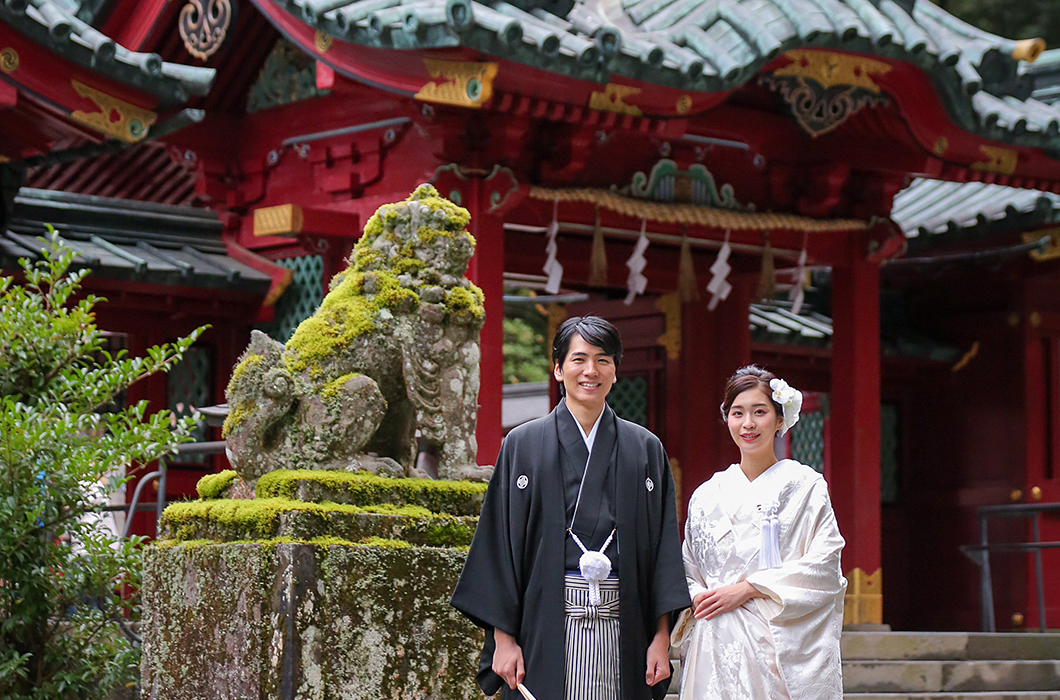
[785, 645]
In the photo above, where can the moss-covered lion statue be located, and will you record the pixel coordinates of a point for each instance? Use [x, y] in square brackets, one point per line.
[392, 350]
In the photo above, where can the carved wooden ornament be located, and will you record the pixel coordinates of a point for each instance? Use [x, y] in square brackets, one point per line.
[203, 25]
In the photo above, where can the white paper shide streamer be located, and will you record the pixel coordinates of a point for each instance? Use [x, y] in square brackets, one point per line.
[552, 267]
[718, 286]
[636, 283]
[797, 295]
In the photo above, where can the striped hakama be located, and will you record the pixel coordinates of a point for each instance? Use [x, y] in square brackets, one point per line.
[592, 668]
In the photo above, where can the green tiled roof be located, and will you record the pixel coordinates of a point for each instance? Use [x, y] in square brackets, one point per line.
[710, 45]
[53, 25]
[132, 241]
[930, 207]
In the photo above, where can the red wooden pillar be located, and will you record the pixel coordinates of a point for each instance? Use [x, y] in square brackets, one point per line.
[854, 480]
[715, 344]
[487, 271]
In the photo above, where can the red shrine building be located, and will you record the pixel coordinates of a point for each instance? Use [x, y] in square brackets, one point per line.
[859, 194]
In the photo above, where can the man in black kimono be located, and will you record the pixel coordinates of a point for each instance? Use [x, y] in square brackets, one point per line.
[571, 483]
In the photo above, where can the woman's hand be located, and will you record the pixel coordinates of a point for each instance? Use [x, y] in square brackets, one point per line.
[709, 605]
[508, 659]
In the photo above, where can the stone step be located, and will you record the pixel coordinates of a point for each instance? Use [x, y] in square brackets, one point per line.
[950, 676]
[944, 646]
[1005, 695]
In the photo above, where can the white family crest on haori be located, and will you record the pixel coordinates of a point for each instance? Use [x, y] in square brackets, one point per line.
[783, 645]
[649, 484]
[791, 401]
[522, 481]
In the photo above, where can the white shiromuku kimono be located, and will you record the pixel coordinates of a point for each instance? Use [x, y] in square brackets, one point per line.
[786, 645]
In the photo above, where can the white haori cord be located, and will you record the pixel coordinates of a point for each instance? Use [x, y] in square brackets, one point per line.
[595, 566]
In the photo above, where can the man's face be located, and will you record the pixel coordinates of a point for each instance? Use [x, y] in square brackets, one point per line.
[587, 373]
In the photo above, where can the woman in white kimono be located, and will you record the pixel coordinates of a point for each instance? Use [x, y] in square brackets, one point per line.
[761, 556]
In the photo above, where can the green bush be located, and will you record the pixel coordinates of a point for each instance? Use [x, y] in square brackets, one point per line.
[68, 587]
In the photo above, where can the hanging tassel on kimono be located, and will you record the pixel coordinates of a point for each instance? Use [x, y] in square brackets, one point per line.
[687, 287]
[769, 552]
[767, 280]
[598, 259]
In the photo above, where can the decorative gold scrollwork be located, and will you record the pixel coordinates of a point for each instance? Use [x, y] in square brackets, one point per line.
[115, 117]
[613, 99]
[998, 160]
[670, 306]
[203, 25]
[461, 83]
[829, 69]
[9, 60]
[323, 41]
[824, 89]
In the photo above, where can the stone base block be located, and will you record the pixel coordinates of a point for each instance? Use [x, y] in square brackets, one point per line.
[309, 621]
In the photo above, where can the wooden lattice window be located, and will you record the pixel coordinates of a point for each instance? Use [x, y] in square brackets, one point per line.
[629, 399]
[188, 388]
[300, 299]
[807, 440]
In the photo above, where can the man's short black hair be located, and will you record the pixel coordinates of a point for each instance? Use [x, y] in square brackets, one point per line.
[595, 330]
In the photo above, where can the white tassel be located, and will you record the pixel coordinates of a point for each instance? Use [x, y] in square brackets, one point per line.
[595, 566]
[769, 554]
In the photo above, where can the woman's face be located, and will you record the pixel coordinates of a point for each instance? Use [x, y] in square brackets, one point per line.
[753, 422]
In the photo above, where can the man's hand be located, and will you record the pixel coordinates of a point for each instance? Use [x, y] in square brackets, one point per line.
[722, 600]
[508, 659]
[659, 654]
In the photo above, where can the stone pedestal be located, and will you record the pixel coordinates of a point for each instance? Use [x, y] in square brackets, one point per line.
[316, 617]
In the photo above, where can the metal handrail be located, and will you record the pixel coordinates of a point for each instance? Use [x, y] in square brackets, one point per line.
[980, 553]
[187, 448]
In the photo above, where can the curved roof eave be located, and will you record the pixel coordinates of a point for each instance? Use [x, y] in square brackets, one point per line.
[50, 25]
[712, 46]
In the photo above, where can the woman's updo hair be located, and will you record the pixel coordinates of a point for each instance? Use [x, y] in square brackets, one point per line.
[745, 378]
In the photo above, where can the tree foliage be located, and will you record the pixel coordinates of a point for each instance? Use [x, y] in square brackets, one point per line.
[67, 585]
[525, 357]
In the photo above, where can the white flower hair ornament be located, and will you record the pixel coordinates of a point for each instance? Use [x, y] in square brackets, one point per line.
[790, 400]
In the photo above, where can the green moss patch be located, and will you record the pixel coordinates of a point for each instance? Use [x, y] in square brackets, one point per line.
[230, 520]
[213, 485]
[347, 312]
[459, 300]
[363, 489]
